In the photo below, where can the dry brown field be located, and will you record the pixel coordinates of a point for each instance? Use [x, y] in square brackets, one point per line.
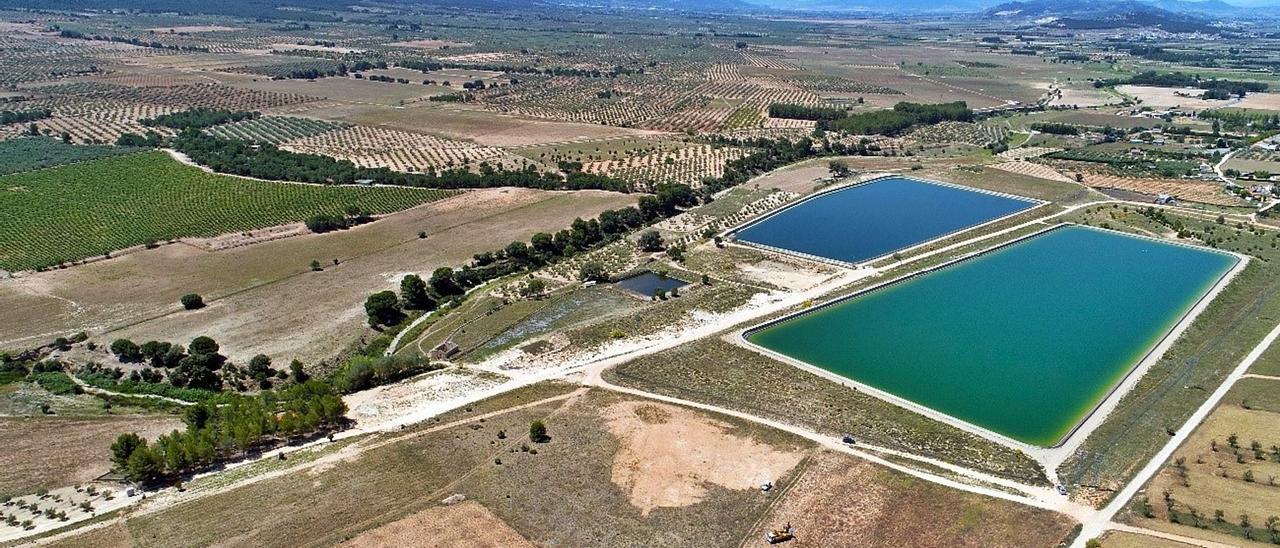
[53, 452]
[842, 501]
[263, 298]
[1260, 101]
[617, 471]
[1206, 192]
[481, 127]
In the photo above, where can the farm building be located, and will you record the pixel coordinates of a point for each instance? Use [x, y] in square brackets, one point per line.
[445, 350]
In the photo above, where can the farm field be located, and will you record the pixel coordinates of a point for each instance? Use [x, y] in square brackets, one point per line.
[273, 129]
[1260, 101]
[101, 295]
[483, 128]
[186, 202]
[26, 154]
[1247, 166]
[628, 463]
[402, 150]
[54, 452]
[341, 89]
[1226, 465]
[1205, 192]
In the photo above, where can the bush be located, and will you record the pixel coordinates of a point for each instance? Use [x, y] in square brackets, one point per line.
[192, 301]
[538, 432]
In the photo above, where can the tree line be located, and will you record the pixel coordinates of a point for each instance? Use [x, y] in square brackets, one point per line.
[199, 117]
[23, 116]
[1055, 128]
[1183, 80]
[230, 428]
[803, 112]
[133, 41]
[903, 117]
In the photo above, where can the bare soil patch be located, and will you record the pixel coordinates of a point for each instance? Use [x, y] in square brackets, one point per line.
[842, 501]
[1260, 101]
[668, 454]
[55, 452]
[464, 525]
[1171, 97]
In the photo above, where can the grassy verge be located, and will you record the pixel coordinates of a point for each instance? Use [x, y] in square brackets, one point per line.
[1268, 363]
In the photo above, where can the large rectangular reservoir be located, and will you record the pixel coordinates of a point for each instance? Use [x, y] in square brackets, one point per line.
[869, 220]
[1024, 340]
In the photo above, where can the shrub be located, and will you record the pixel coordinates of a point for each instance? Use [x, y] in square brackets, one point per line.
[192, 301]
[538, 432]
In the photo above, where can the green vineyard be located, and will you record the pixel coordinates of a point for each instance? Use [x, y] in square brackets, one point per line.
[63, 214]
[28, 153]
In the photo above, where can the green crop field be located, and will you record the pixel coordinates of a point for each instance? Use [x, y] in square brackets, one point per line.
[72, 212]
[28, 153]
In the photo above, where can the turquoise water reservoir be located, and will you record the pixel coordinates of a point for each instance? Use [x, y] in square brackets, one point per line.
[1024, 340]
[866, 221]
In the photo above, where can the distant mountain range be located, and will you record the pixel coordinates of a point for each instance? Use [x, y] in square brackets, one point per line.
[1169, 15]
[1211, 8]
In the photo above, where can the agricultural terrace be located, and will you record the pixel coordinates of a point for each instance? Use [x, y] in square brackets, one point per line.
[116, 203]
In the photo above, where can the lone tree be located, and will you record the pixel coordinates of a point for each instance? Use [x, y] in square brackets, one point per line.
[650, 240]
[204, 346]
[383, 308]
[192, 301]
[538, 432]
[296, 374]
[593, 271]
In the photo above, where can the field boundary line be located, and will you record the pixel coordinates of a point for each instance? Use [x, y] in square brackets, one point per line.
[1167, 536]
